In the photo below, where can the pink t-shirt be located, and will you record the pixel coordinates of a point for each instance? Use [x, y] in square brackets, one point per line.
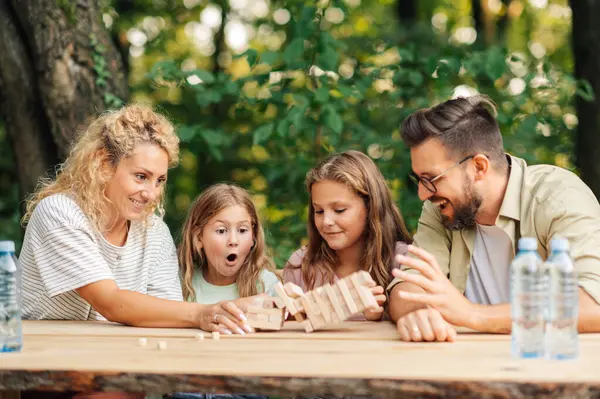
[293, 271]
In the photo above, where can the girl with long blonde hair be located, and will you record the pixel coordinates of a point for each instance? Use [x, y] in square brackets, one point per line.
[96, 246]
[222, 253]
[353, 224]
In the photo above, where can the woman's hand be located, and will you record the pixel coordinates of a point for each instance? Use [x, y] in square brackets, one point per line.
[375, 314]
[225, 317]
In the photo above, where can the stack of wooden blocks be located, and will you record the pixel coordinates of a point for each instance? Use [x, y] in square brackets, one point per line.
[322, 307]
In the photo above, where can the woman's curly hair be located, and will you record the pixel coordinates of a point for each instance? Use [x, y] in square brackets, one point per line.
[96, 153]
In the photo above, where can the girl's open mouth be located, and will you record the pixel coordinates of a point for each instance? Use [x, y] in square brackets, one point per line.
[231, 257]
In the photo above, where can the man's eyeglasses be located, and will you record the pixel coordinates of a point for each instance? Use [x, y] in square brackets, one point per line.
[428, 183]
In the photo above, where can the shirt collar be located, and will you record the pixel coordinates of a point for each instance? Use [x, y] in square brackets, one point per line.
[511, 204]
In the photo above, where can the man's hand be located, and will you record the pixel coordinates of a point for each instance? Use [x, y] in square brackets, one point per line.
[374, 314]
[439, 293]
[425, 324]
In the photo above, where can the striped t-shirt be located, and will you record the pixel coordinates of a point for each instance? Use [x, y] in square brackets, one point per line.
[62, 252]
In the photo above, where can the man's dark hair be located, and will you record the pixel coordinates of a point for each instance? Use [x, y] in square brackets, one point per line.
[465, 126]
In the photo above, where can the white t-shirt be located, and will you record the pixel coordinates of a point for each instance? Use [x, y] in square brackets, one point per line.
[62, 251]
[207, 293]
[489, 274]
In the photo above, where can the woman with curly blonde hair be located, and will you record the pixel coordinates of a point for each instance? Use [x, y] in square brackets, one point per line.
[96, 246]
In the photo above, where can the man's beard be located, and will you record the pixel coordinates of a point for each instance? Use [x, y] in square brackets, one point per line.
[465, 213]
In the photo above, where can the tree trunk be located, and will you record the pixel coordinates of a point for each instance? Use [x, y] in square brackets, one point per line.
[586, 31]
[502, 23]
[21, 106]
[478, 21]
[406, 11]
[79, 71]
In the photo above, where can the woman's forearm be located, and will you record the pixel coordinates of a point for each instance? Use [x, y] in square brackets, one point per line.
[136, 309]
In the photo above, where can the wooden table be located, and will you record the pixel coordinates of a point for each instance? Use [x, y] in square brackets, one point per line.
[359, 359]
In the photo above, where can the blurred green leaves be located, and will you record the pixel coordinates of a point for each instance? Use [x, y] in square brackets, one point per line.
[262, 114]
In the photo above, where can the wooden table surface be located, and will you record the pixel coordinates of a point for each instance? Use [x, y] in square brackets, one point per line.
[358, 358]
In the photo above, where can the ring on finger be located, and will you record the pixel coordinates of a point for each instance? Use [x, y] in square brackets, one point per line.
[216, 318]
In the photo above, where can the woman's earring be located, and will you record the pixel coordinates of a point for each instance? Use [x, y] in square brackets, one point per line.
[253, 243]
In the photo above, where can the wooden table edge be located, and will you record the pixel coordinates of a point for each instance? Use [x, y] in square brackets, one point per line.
[69, 380]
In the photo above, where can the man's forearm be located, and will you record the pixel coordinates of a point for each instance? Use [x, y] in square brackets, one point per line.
[589, 313]
[491, 319]
[400, 307]
[497, 319]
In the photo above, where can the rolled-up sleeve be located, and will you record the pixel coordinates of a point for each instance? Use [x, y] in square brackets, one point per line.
[574, 214]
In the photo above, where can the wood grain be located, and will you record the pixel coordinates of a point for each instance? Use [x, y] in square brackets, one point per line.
[358, 358]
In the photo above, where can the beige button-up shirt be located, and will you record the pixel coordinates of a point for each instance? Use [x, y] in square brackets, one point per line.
[541, 201]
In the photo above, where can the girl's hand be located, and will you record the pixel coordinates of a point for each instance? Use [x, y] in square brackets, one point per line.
[375, 314]
[225, 317]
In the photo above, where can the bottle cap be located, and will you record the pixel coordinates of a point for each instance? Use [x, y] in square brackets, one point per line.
[528, 244]
[7, 246]
[559, 244]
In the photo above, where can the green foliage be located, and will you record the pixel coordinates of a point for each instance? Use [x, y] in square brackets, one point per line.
[102, 72]
[324, 92]
[318, 84]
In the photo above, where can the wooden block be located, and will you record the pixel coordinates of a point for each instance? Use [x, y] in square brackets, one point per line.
[364, 293]
[262, 325]
[288, 302]
[256, 309]
[364, 278]
[335, 318]
[252, 317]
[323, 307]
[293, 290]
[341, 284]
[265, 319]
[334, 300]
[298, 305]
[299, 316]
[307, 326]
[278, 302]
[368, 298]
[277, 320]
[312, 312]
[309, 308]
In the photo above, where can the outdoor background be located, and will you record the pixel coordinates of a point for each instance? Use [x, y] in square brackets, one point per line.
[260, 90]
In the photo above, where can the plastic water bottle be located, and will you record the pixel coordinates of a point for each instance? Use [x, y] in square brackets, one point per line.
[11, 337]
[561, 329]
[528, 300]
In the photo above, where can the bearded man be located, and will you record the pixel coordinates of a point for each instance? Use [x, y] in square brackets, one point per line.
[478, 201]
